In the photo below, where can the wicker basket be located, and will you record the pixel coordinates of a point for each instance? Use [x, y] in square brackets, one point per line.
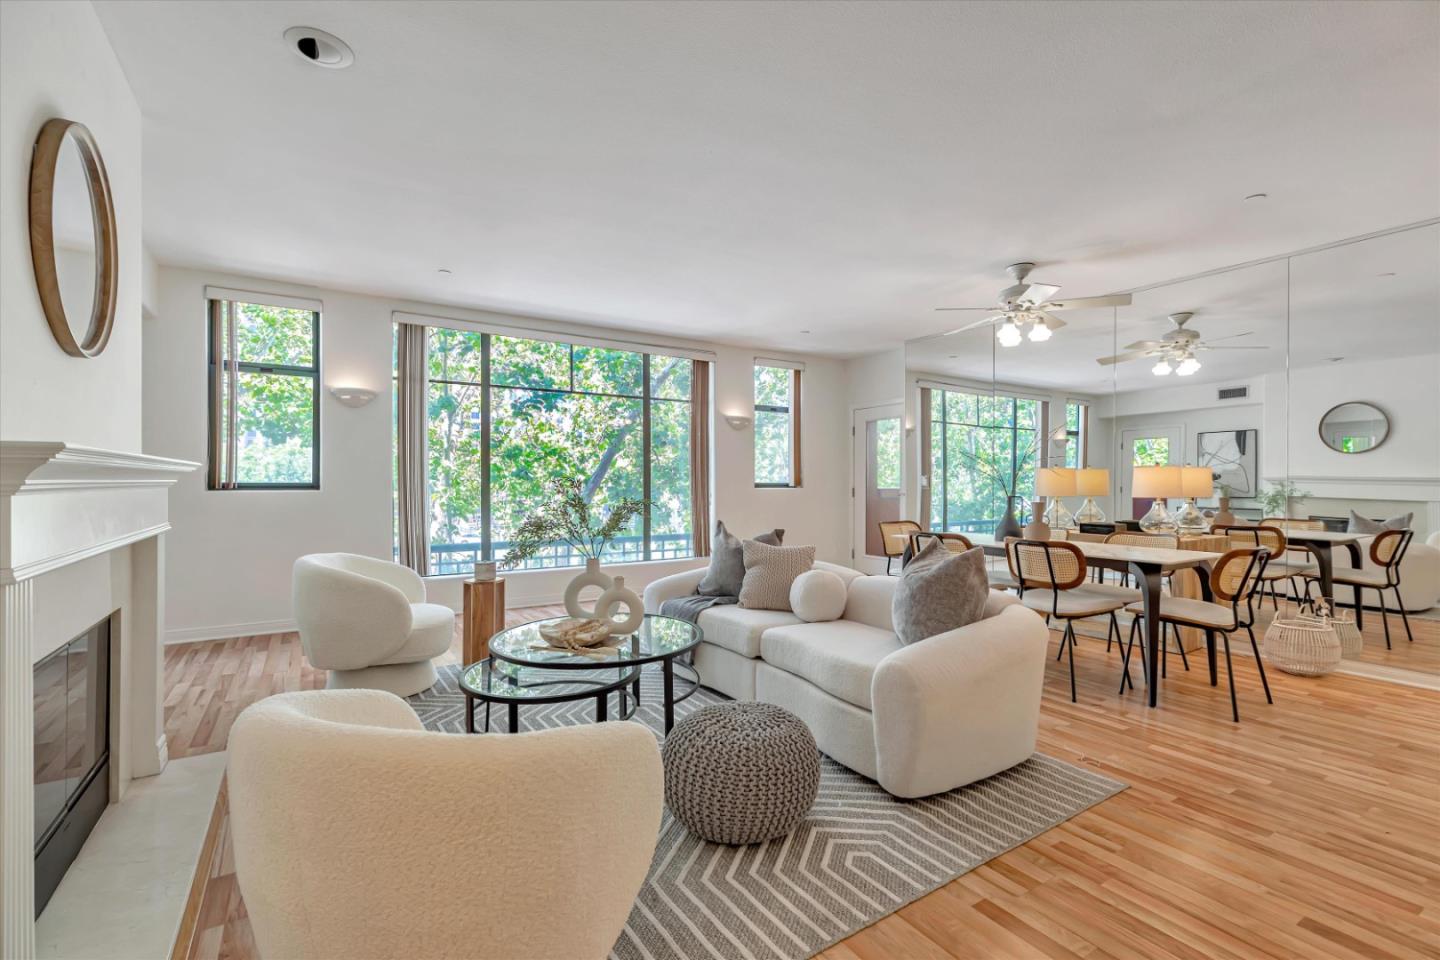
[1305, 647]
[1351, 641]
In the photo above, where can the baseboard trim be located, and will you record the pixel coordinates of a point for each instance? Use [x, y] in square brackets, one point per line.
[226, 631]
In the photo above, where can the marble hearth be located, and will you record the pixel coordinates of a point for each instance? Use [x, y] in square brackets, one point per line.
[81, 538]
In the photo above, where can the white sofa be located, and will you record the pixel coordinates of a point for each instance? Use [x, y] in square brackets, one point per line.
[1419, 575]
[367, 622]
[920, 719]
[357, 833]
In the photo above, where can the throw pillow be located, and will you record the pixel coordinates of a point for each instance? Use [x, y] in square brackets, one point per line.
[818, 595]
[939, 591]
[1359, 524]
[727, 562]
[770, 572]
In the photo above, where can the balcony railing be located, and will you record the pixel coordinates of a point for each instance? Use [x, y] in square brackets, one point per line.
[452, 558]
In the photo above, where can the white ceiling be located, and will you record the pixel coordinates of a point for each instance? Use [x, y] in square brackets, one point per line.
[744, 171]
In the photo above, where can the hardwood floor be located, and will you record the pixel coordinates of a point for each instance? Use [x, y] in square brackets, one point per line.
[1310, 829]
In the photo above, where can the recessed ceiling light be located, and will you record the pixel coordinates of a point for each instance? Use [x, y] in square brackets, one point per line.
[1333, 359]
[319, 48]
[1257, 196]
[1390, 274]
[444, 272]
[804, 331]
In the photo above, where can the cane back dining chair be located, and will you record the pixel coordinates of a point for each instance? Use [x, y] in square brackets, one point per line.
[1051, 579]
[1167, 541]
[895, 537]
[1386, 551]
[1279, 567]
[1235, 579]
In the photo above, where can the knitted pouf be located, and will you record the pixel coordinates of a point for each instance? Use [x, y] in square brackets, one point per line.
[741, 772]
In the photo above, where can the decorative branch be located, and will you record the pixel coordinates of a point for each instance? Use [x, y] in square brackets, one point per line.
[566, 518]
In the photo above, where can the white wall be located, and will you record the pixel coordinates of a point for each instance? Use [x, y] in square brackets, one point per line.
[231, 552]
[57, 62]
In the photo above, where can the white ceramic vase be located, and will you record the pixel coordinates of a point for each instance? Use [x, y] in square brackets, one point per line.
[592, 577]
[619, 595]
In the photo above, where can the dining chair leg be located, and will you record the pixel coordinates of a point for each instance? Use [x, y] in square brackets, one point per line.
[1164, 653]
[1124, 661]
[1274, 600]
[888, 561]
[1230, 675]
[1210, 655]
[1384, 617]
[1070, 634]
[1255, 648]
[1179, 645]
[1403, 615]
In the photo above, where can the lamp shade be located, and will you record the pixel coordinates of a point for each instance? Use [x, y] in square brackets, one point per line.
[1055, 482]
[1156, 482]
[1197, 482]
[1092, 482]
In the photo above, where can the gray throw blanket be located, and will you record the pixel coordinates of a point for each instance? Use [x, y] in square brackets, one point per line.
[690, 608]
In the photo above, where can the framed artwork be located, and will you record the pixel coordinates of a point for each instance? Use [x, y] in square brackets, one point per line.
[1231, 455]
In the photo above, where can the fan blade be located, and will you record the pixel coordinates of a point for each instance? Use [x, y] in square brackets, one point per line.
[1038, 293]
[1051, 321]
[1123, 357]
[945, 309]
[972, 326]
[1146, 344]
[1206, 346]
[1233, 336]
[1085, 303]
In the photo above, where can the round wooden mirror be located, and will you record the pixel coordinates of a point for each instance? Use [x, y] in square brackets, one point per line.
[72, 237]
[1354, 427]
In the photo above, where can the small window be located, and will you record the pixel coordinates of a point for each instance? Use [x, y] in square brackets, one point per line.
[264, 397]
[1077, 418]
[777, 427]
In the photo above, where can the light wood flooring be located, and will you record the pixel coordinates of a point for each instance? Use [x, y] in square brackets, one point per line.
[1311, 829]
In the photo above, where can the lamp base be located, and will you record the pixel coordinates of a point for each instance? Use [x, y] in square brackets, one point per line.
[1158, 519]
[1089, 512]
[1058, 516]
[1190, 519]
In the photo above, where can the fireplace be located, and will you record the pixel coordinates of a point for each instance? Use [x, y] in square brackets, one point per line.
[72, 752]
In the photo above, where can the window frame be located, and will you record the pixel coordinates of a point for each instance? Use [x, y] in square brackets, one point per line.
[790, 410]
[212, 445]
[1080, 435]
[941, 435]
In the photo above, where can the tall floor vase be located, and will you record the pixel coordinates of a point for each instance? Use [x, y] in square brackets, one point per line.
[1008, 525]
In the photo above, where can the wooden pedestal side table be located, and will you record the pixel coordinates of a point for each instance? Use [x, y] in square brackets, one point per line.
[483, 617]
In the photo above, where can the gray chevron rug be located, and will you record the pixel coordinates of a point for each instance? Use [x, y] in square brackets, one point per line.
[859, 856]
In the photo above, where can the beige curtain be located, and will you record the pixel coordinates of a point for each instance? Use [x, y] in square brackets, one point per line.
[925, 458]
[411, 491]
[224, 444]
[700, 456]
[796, 475]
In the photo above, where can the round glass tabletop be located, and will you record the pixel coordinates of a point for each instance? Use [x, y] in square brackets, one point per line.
[659, 638]
[501, 682]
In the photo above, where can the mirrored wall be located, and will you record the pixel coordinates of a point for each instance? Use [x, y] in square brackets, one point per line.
[1308, 385]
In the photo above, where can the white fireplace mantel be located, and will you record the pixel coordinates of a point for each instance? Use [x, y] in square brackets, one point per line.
[65, 511]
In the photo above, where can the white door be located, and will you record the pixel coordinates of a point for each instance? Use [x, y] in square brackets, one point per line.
[1145, 447]
[878, 484]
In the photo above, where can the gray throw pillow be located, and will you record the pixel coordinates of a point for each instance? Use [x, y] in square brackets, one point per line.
[1359, 524]
[770, 572]
[727, 562]
[939, 591]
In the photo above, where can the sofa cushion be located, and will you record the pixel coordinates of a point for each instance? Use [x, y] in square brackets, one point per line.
[817, 596]
[738, 630]
[839, 657]
[870, 600]
[432, 630]
[939, 591]
[769, 573]
[727, 562]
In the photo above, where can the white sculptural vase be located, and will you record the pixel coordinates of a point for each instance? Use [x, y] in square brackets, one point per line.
[592, 577]
[618, 595]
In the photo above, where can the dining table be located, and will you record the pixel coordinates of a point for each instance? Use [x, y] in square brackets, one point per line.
[1149, 566]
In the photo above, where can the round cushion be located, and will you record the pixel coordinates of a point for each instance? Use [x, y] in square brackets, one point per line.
[741, 772]
[818, 595]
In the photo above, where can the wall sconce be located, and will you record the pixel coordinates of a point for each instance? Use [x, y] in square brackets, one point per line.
[352, 396]
[738, 421]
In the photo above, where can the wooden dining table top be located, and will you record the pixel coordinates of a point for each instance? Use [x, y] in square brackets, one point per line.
[1163, 557]
[1321, 536]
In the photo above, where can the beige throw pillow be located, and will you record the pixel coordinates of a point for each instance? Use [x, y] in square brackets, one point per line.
[769, 573]
[939, 591]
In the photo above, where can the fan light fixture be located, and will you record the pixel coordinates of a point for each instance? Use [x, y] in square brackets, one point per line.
[1040, 332]
[1008, 334]
[1187, 366]
[1161, 368]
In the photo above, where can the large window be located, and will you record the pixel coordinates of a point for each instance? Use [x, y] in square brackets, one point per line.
[777, 426]
[980, 445]
[264, 396]
[507, 415]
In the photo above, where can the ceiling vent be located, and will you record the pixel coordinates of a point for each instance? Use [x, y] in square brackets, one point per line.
[1233, 393]
[319, 48]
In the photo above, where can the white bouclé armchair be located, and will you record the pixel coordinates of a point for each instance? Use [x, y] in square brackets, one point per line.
[357, 833]
[367, 622]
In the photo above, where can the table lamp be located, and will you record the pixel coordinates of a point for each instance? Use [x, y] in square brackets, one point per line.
[1157, 483]
[1194, 482]
[1052, 483]
[1091, 482]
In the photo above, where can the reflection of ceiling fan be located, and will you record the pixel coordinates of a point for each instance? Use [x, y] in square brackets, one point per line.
[1026, 308]
[1176, 351]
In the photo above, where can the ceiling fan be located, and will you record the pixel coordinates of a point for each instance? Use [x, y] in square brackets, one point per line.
[1026, 310]
[1177, 351]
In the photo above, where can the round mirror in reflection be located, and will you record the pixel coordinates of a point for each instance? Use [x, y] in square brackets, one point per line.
[72, 237]
[1354, 427]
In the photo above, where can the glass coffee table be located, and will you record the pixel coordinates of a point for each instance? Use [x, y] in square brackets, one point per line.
[494, 681]
[659, 640]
